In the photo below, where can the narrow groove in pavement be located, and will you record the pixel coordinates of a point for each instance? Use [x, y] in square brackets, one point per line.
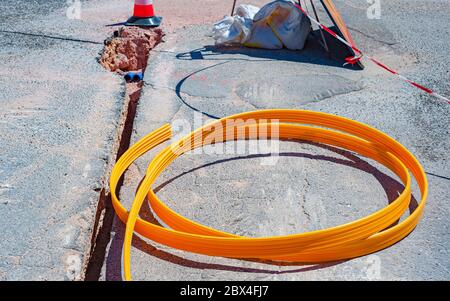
[51, 37]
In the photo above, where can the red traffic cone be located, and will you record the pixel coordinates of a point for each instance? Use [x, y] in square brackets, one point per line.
[144, 14]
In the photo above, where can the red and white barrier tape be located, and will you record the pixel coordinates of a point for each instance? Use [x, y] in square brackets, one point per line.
[359, 54]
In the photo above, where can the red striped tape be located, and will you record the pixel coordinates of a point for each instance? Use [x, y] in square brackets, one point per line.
[359, 54]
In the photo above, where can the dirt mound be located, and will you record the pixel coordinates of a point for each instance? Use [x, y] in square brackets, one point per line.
[129, 48]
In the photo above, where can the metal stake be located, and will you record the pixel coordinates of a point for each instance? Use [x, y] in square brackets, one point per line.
[232, 10]
[325, 45]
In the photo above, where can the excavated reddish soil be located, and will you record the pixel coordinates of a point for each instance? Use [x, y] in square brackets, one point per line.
[129, 48]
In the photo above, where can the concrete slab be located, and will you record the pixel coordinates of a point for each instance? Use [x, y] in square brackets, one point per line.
[58, 123]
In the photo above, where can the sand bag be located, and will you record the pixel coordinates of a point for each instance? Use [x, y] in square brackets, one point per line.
[279, 24]
[232, 30]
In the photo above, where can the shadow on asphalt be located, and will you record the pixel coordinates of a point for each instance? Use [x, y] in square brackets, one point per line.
[113, 264]
[312, 53]
[181, 82]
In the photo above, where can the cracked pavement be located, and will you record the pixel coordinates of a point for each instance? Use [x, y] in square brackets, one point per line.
[58, 123]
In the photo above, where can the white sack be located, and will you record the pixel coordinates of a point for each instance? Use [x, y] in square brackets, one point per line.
[247, 11]
[278, 24]
[235, 29]
[282, 21]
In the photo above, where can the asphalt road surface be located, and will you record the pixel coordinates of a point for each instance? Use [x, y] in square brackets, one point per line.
[311, 187]
[61, 112]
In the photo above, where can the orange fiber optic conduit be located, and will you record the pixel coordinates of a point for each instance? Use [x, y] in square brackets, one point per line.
[366, 235]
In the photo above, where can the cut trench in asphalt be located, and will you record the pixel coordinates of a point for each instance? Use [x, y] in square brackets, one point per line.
[127, 50]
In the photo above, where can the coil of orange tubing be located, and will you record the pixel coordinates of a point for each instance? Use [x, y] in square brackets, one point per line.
[366, 235]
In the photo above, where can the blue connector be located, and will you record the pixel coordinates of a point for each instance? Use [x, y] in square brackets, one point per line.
[134, 76]
[138, 76]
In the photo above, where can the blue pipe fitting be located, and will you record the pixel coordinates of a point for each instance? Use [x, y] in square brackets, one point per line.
[134, 76]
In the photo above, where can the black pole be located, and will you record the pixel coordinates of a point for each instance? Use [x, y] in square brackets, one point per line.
[232, 10]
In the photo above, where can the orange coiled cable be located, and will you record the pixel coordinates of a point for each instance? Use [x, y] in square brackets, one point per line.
[357, 238]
